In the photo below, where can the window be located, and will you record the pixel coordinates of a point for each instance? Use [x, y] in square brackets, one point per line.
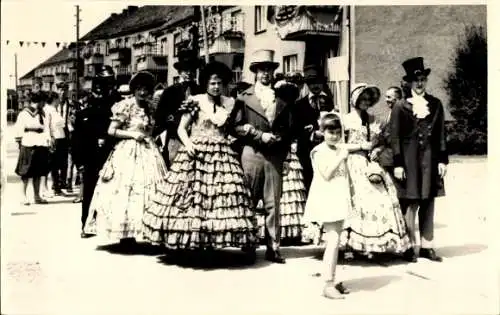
[97, 49]
[289, 63]
[260, 18]
[107, 48]
[237, 75]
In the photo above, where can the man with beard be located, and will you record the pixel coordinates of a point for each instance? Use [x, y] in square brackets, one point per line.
[263, 122]
[91, 142]
[306, 115]
[167, 115]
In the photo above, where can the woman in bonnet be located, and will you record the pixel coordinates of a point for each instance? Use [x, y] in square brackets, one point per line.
[375, 224]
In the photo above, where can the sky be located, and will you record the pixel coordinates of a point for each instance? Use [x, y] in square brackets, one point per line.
[44, 21]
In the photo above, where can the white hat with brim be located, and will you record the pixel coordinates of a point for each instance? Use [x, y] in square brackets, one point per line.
[263, 58]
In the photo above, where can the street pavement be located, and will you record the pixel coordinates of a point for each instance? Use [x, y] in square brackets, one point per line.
[48, 269]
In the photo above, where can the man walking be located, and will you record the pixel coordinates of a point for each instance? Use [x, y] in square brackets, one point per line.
[420, 156]
[306, 114]
[263, 122]
[92, 144]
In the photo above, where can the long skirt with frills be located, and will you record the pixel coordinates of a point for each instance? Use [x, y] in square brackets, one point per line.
[127, 182]
[204, 202]
[292, 203]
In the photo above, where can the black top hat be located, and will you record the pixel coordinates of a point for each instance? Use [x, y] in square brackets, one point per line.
[415, 67]
[218, 68]
[187, 60]
[313, 73]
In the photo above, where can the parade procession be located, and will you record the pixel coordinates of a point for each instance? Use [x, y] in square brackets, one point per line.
[195, 130]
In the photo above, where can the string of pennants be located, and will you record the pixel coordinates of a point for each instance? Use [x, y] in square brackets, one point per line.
[40, 44]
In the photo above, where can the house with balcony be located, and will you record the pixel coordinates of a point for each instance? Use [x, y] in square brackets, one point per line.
[24, 86]
[125, 42]
[225, 36]
[299, 35]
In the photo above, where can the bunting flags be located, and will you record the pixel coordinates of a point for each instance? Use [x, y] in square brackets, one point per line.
[26, 44]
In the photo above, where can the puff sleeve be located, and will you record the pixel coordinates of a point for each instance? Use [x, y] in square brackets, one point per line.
[120, 112]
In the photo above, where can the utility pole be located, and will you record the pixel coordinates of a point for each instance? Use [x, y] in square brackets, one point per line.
[15, 69]
[205, 38]
[77, 54]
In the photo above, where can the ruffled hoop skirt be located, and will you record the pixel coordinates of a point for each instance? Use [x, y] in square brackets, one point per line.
[375, 223]
[127, 182]
[204, 202]
[292, 204]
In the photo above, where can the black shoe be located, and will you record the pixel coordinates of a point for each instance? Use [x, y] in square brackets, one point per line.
[341, 288]
[410, 256]
[85, 235]
[430, 254]
[275, 257]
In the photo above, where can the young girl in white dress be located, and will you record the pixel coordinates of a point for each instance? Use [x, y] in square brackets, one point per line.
[329, 197]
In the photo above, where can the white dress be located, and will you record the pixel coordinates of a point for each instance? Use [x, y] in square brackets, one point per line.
[328, 200]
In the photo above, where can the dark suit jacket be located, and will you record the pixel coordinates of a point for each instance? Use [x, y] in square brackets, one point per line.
[91, 124]
[249, 111]
[167, 116]
[304, 114]
[419, 145]
[383, 141]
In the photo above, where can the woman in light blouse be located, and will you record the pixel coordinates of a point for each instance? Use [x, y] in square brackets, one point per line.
[32, 135]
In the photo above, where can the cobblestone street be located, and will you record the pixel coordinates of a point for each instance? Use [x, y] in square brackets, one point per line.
[48, 269]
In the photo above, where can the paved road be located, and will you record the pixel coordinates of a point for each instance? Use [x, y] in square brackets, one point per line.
[48, 269]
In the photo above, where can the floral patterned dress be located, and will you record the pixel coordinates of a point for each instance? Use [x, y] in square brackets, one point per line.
[128, 179]
[375, 223]
[204, 202]
[292, 203]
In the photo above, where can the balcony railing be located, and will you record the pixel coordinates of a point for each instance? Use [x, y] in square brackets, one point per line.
[123, 70]
[152, 62]
[233, 27]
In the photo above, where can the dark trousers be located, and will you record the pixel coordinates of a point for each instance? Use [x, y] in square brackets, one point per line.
[59, 167]
[425, 217]
[307, 169]
[264, 178]
[90, 176]
[170, 151]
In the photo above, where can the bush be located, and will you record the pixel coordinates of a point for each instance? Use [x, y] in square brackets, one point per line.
[467, 87]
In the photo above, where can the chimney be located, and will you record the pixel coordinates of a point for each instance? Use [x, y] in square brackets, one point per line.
[113, 15]
[124, 12]
[132, 8]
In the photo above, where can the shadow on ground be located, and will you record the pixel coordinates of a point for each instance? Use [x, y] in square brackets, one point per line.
[461, 250]
[131, 249]
[370, 283]
[213, 259]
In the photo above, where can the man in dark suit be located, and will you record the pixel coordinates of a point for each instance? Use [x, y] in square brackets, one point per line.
[420, 157]
[263, 122]
[90, 136]
[382, 152]
[306, 114]
[167, 116]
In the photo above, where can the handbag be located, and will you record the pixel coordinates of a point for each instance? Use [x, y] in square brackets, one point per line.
[374, 172]
[107, 172]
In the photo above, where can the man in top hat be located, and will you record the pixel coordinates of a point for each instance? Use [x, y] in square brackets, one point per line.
[167, 116]
[263, 122]
[91, 144]
[306, 115]
[420, 156]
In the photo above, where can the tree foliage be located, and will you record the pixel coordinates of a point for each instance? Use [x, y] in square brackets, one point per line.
[467, 87]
